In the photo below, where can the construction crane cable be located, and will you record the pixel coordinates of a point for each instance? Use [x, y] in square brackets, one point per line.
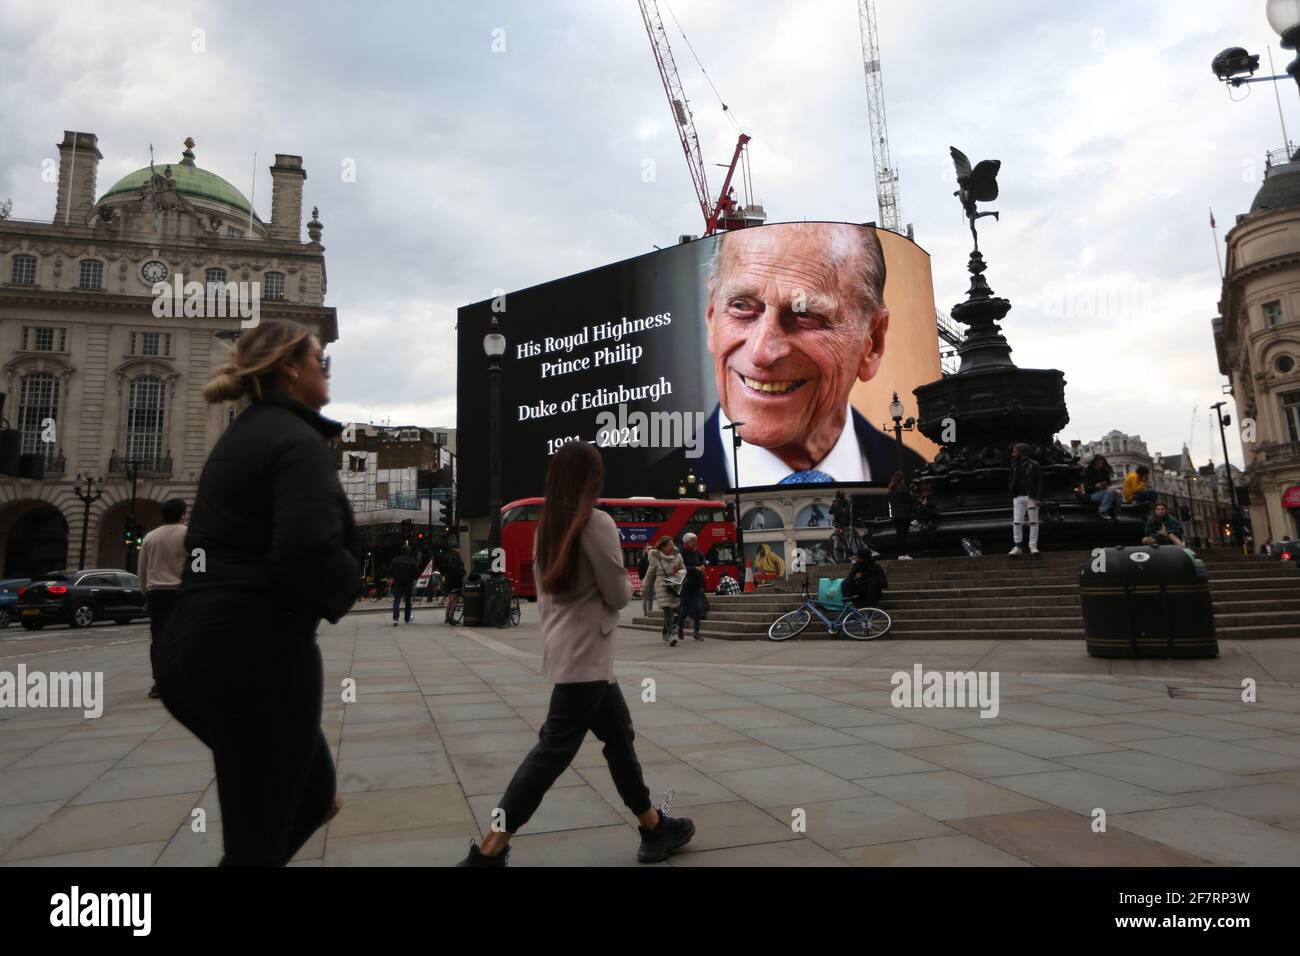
[725, 108]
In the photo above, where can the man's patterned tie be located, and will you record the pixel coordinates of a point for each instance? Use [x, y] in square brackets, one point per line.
[810, 477]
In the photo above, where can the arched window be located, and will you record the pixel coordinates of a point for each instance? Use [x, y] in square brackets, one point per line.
[273, 285]
[92, 274]
[145, 410]
[24, 270]
[38, 401]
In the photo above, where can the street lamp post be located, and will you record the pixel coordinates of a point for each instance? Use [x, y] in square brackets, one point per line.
[494, 346]
[1224, 421]
[86, 500]
[133, 470]
[735, 487]
[899, 426]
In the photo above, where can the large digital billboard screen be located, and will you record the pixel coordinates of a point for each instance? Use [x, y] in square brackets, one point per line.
[798, 332]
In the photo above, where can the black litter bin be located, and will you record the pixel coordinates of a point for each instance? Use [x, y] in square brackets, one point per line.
[1147, 602]
[472, 596]
[496, 601]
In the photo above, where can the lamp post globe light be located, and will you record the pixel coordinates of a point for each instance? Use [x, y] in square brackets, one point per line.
[899, 426]
[1284, 18]
[494, 347]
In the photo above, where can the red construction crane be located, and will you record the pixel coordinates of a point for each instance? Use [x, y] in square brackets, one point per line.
[723, 213]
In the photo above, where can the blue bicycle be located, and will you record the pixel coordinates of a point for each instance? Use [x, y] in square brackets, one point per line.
[861, 624]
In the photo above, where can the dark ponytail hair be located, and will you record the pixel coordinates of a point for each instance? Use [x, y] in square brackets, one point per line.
[573, 481]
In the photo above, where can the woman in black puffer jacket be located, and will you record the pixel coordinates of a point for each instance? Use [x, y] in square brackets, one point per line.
[270, 548]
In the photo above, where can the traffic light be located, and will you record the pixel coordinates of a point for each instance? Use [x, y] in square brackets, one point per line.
[408, 526]
[133, 533]
[1184, 513]
[449, 515]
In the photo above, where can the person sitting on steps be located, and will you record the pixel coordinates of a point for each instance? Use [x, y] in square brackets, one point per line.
[1163, 528]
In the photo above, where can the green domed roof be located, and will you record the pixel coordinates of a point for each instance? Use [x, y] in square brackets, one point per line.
[190, 180]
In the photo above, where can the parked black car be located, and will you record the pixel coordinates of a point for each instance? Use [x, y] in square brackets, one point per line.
[79, 598]
[1289, 551]
[9, 598]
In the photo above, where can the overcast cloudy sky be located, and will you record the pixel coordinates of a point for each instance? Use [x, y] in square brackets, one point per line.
[478, 170]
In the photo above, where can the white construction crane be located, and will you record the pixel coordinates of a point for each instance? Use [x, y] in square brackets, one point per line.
[886, 174]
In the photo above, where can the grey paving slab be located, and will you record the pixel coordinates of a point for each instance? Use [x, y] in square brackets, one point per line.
[842, 716]
[1216, 835]
[1038, 741]
[785, 786]
[394, 771]
[1230, 757]
[981, 760]
[736, 755]
[783, 854]
[1121, 733]
[105, 825]
[79, 751]
[142, 854]
[1152, 771]
[902, 734]
[480, 773]
[1265, 802]
[1058, 837]
[722, 825]
[591, 846]
[411, 808]
[564, 808]
[801, 738]
[41, 784]
[863, 759]
[1288, 746]
[154, 752]
[689, 734]
[18, 820]
[690, 786]
[947, 795]
[859, 821]
[444, 845]
[1206, 727]
[955, 850]
[128, 783]
[1083, 792]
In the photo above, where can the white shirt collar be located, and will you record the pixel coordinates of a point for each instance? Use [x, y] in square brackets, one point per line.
[846, 460]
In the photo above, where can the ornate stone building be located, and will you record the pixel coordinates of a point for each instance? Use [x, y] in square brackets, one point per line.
[1257, 337]
[101, 375]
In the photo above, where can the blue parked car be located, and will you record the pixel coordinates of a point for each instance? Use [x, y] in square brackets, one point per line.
[9, 597]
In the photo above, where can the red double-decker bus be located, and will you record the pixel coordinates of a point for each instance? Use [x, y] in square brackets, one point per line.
[640, 521]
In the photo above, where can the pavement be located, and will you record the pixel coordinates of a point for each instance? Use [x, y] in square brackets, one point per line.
[783, 754]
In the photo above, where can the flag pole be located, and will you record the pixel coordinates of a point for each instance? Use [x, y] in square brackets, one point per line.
[1214, 231]
[252, 196]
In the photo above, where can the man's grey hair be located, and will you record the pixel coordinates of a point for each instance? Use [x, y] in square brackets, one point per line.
[689, 538]
[869, 284]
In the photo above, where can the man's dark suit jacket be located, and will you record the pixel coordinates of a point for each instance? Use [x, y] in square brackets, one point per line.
[711, 467]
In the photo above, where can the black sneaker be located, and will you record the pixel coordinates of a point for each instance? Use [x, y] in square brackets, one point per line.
[153, 693]
[476, 858]
[671, 834]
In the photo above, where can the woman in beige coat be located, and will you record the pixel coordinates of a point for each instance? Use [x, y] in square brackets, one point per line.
[581, 586]
[664, 563]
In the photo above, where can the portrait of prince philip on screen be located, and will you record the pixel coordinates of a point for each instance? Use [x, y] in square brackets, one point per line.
[795, 316]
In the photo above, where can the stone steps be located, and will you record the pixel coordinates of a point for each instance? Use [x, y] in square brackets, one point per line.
[1001, 597]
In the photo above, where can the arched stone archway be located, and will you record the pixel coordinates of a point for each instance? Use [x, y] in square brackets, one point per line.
[35, 538]
[113, 552]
